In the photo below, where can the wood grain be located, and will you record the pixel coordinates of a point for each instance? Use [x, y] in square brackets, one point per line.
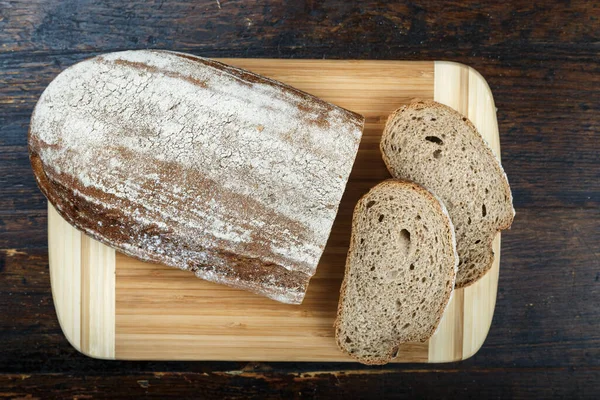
[66, 280]
[541, 61]
[517, 383]
[464, 89]
[84, 288]
[97, 299]
[166, 314]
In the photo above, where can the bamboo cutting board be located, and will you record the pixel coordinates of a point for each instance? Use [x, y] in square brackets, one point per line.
[113, 307]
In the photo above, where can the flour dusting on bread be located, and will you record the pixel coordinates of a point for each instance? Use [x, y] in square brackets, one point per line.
[199, 162]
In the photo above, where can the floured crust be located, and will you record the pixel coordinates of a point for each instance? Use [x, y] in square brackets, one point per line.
[448, 228]
[184, 161]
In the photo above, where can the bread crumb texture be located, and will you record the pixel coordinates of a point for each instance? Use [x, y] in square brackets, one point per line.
[400, 271]
[437, 147]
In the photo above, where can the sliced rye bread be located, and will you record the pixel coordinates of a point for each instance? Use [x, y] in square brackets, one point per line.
[400, 271]
[437, 147]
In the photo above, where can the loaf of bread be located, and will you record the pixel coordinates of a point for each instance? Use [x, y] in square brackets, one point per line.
[188, 162]
[400, 271]
[437, 147]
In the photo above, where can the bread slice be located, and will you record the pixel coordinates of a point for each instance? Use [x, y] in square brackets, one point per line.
[400, 271]
[437, 147]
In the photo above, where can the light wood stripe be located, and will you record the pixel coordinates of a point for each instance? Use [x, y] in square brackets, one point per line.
[97, 299]
[82, 273]
[64, 256]
[451, 85]
[447, 342]
[480, 301]
[464, 89]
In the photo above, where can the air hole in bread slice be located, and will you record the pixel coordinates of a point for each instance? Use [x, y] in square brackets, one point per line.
[434, 139]
[404, 234]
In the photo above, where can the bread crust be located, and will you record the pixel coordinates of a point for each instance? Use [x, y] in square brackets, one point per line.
[172, 219]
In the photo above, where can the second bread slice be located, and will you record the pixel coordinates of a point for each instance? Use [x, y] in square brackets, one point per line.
[400, 271]
[434, 145]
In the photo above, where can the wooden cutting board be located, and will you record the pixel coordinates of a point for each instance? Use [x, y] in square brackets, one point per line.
[113, 307]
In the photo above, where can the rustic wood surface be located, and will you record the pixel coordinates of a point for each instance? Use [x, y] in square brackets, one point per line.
[543, 65]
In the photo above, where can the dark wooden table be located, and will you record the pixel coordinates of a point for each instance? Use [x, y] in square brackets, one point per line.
[543, 65]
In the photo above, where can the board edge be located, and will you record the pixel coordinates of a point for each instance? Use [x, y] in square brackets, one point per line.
[475, 84]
